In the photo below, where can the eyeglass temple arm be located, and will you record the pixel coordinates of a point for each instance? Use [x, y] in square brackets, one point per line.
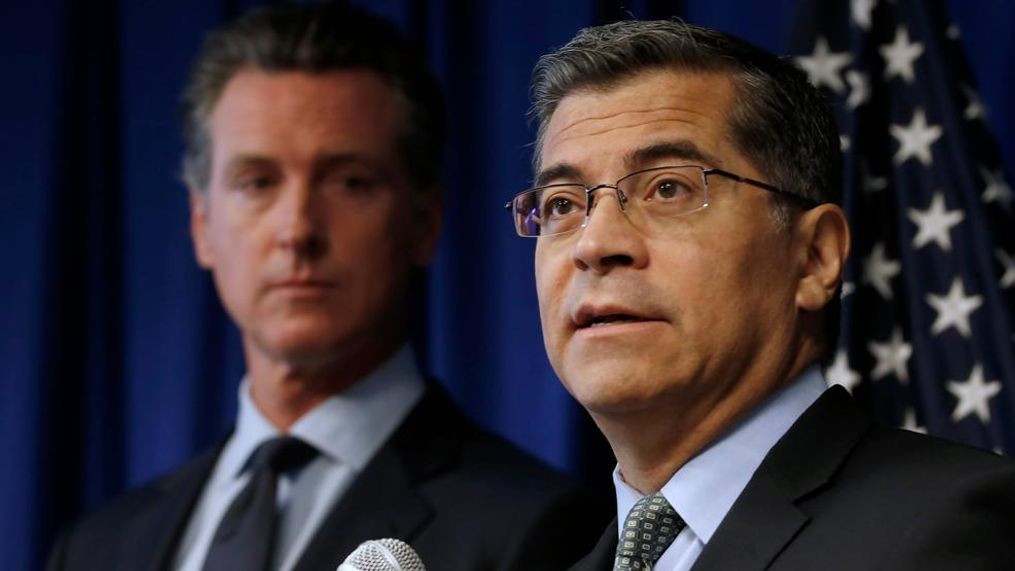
[764, 185]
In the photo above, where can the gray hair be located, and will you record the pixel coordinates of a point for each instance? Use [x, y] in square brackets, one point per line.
[316, 39]
[779, 121]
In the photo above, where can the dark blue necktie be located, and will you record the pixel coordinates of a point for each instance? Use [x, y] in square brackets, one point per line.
[246, 536]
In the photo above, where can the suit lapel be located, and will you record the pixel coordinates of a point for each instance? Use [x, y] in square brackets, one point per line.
[765, 518]
[150, 540]
[602, 555]
[383, 501]
[380, 503]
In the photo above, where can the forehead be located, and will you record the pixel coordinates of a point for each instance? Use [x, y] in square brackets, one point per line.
[649, 109]
[258, 106]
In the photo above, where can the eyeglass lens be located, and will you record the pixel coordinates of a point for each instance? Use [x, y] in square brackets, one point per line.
[651, 195]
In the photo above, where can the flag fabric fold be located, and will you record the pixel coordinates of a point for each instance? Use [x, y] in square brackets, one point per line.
[927, 337]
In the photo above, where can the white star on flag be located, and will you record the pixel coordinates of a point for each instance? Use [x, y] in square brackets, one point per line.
[909, 422]
[935, 223]
[973, 395]
[953, 308]
[859, 89]
[861, 12]
[900, 56]
[915, 139]
[839, 373]
[997, 188]
[878, 270]
[1008, 279]
[975, 108]
[892, 357]
[823, 67]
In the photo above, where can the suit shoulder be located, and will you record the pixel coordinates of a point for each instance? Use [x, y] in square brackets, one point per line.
[94, 539]
[521, 513]
[489, 472]
[902, 479]
[136, 499]
[439, 437]
[904, 452]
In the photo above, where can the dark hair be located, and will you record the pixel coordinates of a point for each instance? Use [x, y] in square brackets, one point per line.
[779, 121]
[316, 38]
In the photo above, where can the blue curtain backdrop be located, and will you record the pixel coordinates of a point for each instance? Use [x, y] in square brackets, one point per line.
[116, 361]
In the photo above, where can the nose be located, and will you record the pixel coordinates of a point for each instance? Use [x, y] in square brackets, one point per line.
[299, 226]
[608, 240]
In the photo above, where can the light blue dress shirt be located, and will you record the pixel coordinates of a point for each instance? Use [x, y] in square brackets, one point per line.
[347, 429]
[703, 490]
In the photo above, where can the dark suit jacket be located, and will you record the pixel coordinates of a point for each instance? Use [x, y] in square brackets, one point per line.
[838, 492]
[463, 498]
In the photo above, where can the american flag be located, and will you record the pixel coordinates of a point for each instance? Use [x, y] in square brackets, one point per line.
[929, 294]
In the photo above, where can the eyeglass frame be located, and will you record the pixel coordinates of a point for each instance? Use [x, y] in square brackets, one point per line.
[622, 198]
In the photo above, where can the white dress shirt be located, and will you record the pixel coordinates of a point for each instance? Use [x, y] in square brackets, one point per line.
[703, 490]
[347, 429]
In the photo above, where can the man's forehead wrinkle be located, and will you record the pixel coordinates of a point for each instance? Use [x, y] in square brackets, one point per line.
[326, 157]
[634, 112]
[557, 138]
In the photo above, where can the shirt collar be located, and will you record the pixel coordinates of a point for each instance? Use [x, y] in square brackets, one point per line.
[348, 427]
[703, 490]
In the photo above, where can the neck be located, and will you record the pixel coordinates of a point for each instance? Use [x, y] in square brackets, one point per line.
[643, 441]
[285, 389]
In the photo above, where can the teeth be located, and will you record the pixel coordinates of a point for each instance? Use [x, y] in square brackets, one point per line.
[609, 319]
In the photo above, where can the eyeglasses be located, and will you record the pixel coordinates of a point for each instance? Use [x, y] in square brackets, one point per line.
[648, 197]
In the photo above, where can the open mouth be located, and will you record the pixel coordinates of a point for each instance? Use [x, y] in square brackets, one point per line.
[612, 319]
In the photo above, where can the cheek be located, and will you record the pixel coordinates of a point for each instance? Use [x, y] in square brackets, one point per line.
[551, 285]
[235, 248]
[377, 250]
[706, 283]
[753, 283]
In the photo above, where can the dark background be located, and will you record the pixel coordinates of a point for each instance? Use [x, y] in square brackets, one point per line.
[117, 361]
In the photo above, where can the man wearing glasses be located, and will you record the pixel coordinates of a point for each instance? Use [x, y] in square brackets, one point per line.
[688, 258]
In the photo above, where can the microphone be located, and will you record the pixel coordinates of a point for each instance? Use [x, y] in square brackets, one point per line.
[382, 555]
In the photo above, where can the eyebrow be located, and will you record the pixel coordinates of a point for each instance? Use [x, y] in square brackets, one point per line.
[681, 150]
[245, 160]
[342, 159]
[559, 171]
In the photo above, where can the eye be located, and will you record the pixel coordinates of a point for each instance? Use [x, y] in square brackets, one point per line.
[359, 184]
[560, 203]
[253, 183]
[668, 189]
[350, 181]
[560, 206]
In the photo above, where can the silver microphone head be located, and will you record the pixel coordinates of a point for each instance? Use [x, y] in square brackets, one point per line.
[382, 555]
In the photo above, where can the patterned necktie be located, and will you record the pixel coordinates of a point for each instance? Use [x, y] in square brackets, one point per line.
[245, 537]
[649, 529]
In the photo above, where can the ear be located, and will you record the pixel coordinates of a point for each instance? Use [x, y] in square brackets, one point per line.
[198, 229]
[822, 234]
[427, 227]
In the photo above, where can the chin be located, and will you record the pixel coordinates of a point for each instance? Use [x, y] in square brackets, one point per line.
[304, 343]
[610, 390]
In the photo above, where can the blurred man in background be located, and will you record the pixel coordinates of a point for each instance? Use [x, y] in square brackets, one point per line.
[314, 136]
[690, 249]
